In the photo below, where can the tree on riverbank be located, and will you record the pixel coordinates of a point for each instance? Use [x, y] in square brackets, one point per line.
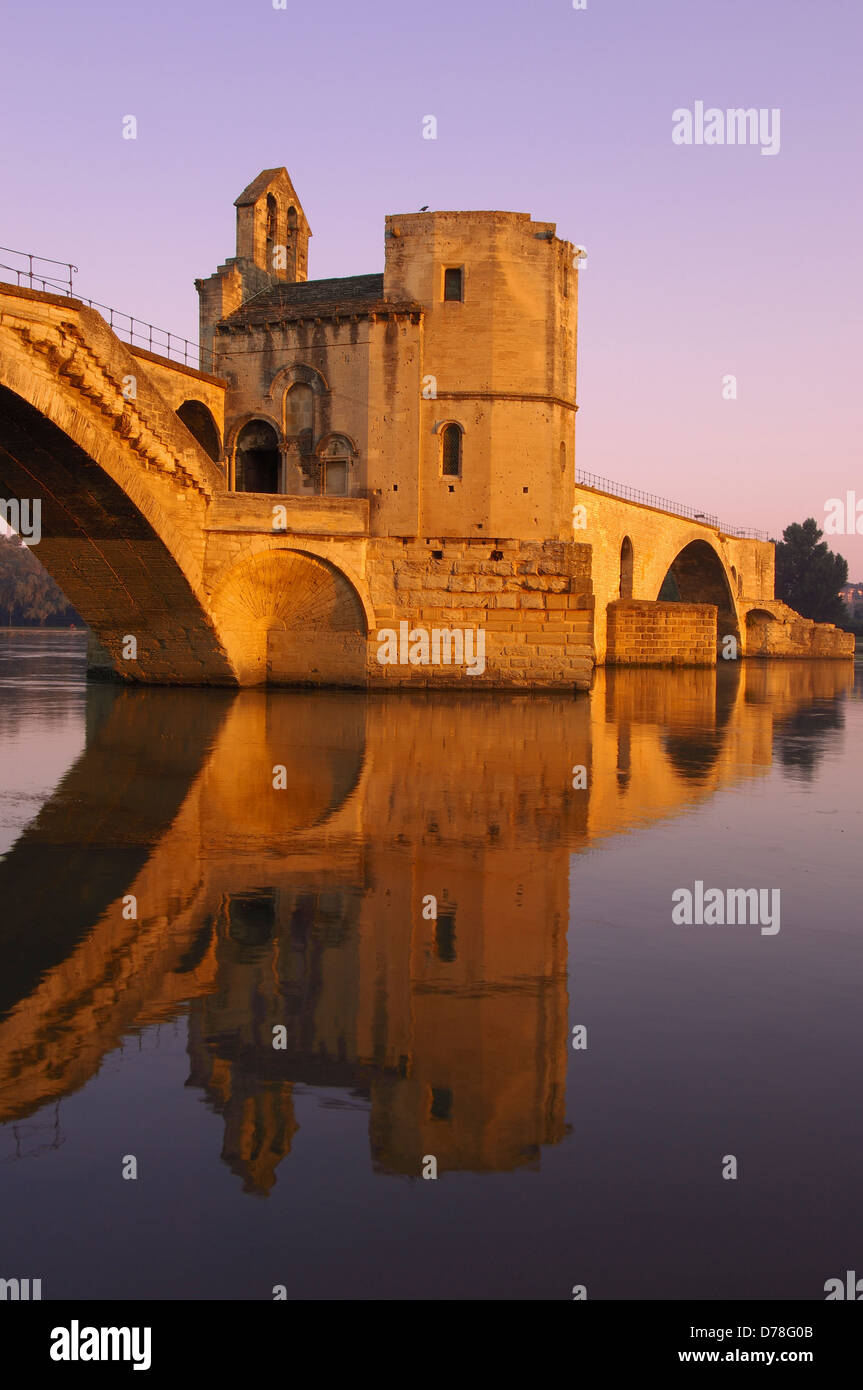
[28, 595]
[809, 576]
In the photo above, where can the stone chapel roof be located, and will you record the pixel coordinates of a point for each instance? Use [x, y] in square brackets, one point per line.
[252, 192]
[348, 294]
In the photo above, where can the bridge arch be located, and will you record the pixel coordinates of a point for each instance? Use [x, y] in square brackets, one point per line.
[199, 421]
[699, 574]
[626, 567]
[109, 469]
[760, 627]
[292, 618]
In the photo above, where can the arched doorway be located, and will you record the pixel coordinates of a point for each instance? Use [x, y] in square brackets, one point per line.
[257, 466]
[200, 423]
[626, 565]
[697, 575]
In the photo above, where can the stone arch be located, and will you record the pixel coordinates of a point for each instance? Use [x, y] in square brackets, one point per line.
[271, 229]
[698, 574]
[108, 473]
[298, 373]
[257, 456]
[291, 241]
[758, 631]
[300, 425]
[200, 423]
[337, 436]
[298, 412]
[292, 618]
[626, 567]
[242, 420]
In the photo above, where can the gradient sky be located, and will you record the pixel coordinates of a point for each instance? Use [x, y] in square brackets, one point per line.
[702, 261]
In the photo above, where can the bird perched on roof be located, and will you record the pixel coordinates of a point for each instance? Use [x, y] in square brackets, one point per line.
[425, 209]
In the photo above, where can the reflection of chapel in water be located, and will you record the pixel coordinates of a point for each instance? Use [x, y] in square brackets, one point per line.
[454, 1027]
[303, 907]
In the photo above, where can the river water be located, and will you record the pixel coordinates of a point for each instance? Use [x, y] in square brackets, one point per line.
[282, 953]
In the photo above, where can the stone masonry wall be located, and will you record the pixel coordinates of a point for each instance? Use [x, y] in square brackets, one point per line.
[777, 631]
[641, 633]
[533, 602]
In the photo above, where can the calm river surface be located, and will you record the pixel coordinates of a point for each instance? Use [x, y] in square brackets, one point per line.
[168, 914]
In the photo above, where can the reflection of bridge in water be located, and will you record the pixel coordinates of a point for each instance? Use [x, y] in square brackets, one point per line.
[302, 907]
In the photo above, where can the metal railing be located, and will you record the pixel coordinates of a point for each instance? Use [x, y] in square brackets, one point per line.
[146, 335]
[50, 281]
[662, 504]
[33, 271]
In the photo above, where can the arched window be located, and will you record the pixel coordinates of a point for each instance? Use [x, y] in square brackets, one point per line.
[626, 562]
[272, 211]
[258, 460]
[292, 243]
[562, 457]
[451, 451]
[299, 410]
[300, 425]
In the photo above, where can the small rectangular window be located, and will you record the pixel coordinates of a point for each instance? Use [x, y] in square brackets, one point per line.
[444, 936]
[452, 283]
[441, 1103]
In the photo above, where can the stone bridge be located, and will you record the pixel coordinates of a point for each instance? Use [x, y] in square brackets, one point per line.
[669, 590]
[182, 581]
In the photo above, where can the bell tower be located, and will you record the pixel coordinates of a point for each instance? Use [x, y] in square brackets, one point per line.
[272, 231]
[272, 247]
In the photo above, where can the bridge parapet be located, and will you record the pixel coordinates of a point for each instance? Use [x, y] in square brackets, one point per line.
[289, 516]
[78, 347]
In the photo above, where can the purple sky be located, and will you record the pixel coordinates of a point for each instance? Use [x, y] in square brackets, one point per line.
[702, 261]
